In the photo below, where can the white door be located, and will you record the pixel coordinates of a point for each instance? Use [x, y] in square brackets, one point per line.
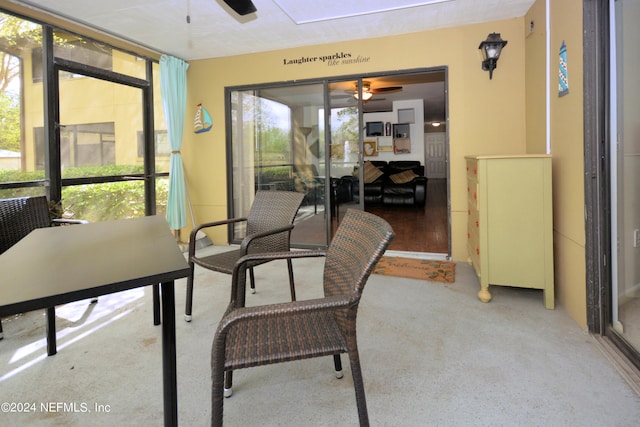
[435, 158]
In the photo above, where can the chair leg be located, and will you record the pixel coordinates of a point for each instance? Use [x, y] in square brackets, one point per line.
[358, 384]
[252, 281]
[219, 378]
[228, 384]
[189, 301]
[291, 284]
[337, 362]
[1, 332]
[217, 393]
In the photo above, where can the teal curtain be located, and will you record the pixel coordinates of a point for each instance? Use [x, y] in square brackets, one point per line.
[173, 86]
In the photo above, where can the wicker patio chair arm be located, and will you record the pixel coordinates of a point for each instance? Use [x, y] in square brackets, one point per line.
[196, 229]
[246, 242]
[215, 224]
[241, 314]
[241, 263]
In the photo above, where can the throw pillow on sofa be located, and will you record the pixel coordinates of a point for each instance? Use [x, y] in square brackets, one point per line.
[403, 177]
[371, 173]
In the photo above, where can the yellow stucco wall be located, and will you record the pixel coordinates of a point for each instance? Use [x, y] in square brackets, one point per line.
[567, 149]
[486, 116]
[535, 34]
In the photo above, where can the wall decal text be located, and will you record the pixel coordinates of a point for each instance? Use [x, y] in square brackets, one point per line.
[341, 58]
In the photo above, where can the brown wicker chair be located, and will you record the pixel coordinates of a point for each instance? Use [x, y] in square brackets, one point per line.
[260, 335]
[268, 229]
[19, 217]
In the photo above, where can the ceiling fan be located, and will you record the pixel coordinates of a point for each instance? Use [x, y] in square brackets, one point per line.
[241, 7]
[368, 91]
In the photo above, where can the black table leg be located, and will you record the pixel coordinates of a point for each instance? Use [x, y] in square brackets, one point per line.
[156, 304]
[169, 373]
[52, 347]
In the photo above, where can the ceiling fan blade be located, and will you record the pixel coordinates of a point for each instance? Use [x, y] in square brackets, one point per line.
[241, 7]
[387, 89]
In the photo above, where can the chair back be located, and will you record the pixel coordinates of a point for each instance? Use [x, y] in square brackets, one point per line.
[272, 209]
[19, 217]
[356, 248]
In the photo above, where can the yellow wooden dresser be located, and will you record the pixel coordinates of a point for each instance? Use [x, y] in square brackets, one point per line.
[510, 226]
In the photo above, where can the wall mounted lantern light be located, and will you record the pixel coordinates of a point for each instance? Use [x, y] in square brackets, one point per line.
[491, 49]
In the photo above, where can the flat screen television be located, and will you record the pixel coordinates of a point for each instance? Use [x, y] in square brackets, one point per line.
[375, 128]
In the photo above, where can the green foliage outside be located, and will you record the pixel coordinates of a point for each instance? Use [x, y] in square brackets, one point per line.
[273, 173]
[94, 202]
[113, 200]
[9, 122]
[348, 129]
[274, 140]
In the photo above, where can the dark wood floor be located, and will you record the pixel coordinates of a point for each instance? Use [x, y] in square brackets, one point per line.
[418, 229]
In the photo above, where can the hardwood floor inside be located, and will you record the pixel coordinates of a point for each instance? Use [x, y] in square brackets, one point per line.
[418, 229]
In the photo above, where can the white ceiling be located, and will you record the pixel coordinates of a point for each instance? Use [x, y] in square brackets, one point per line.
[216, 31]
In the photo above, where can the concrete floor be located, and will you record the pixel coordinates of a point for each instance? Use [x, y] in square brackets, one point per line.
[432, 355]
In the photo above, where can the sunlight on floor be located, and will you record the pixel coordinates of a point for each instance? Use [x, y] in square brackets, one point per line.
[76, 321]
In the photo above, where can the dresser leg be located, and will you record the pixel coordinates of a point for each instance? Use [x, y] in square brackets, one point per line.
[483, 294]
[549, 302]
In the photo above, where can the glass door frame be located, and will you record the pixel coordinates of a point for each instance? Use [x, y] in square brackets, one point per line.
[600, 147]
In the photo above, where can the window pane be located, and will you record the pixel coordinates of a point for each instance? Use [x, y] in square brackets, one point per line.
[96, 54]
[20, 101]
[101, 126]
[162, 193]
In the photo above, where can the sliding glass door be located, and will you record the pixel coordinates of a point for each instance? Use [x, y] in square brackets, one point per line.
[296, 137]
[625, 178]
[277, 142]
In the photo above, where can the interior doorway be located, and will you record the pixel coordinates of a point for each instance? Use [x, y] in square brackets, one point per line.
[412, 105]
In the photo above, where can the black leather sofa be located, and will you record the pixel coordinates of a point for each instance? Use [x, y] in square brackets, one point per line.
[385, 191]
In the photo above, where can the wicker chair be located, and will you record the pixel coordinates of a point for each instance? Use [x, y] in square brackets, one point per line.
[19, 217]
[260, 335]
[268, 229]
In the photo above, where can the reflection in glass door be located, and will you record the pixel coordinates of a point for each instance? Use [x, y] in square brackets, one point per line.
[626, 174]
[345, 142]
[277, 143]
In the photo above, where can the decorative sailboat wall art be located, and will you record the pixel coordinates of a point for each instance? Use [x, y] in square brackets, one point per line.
[202, 122]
